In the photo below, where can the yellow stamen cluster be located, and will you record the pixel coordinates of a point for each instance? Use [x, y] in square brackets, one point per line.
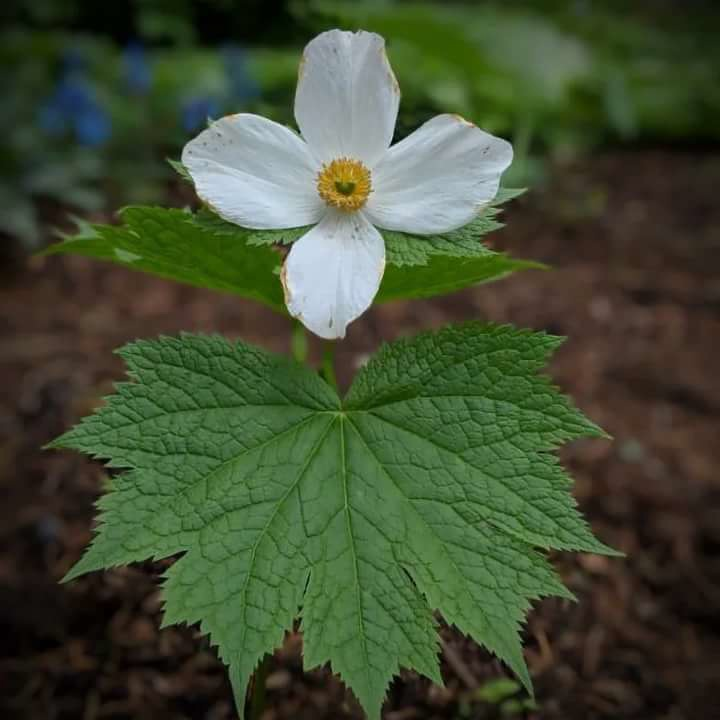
[344, 184]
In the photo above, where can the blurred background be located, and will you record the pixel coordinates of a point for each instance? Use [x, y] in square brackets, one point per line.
[614, 111]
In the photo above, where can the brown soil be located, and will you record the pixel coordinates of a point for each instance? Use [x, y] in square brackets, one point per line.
[635, 240]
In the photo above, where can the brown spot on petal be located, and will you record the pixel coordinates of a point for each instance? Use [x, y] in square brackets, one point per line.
[286, 289]
[208, 204]
[301, 67]
[391, 74]
[462, 120]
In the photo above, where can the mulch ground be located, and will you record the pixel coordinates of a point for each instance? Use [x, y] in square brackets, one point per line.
[635, 241]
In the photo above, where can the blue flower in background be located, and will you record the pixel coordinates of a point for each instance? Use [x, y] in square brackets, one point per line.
[138, 73]
[73, 107]
[195, 112]
[92, 126]
[243, 85]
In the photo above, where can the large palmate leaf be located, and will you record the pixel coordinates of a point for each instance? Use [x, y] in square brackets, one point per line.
[432, 485]
[203, 250]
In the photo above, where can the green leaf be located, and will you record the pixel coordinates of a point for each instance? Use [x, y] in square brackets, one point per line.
[432, 485]
[443, 275]
[497, 690]
[208, 220]
[180, 169]
[505, 195]
[406, 249]
[204, 250]
[425, 266]
[175, 245]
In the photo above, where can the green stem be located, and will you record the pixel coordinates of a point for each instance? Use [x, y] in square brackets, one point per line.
[299, 342]
[328, 364]
[257, 701]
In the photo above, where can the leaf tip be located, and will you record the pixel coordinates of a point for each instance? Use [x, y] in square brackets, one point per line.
[80, 568]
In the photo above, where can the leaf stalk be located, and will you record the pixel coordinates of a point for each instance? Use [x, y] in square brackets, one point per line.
[328, 364]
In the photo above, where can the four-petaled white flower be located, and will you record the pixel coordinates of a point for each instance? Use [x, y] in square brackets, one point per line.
[343, 177]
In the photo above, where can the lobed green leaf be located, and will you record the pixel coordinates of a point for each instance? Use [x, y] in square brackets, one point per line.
[431, 486]
[203, 250]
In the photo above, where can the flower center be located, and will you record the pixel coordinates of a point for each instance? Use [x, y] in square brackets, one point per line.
[344, 184]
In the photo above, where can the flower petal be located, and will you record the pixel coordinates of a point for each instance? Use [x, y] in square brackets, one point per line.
[255, 172]
[333, 273]
[347, 97]
[438, 178]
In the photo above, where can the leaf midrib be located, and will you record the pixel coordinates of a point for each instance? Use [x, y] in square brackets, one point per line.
[353, 551]
[409, 503]
[294, 485]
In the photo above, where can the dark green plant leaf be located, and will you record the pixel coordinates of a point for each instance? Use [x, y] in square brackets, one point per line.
[433, 485]
[405, 249]
[208, 220]
[443, 274]
[180, 169]
[204, 250]
[171, 244]
[496, 690]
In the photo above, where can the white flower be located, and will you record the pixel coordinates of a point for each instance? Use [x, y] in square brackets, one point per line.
[343, 177]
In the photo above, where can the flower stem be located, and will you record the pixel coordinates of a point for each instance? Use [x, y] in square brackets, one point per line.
[299, 342]
[257, 700]
[328, 364]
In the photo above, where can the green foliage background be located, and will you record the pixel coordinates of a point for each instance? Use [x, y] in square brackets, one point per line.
[559, 78]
